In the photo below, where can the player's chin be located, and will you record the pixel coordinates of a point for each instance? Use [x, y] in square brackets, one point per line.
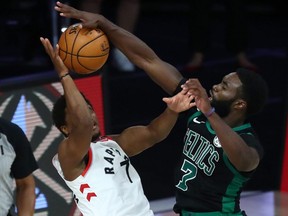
[96, 130]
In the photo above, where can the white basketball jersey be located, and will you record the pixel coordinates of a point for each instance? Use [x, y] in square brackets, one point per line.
[109, 186]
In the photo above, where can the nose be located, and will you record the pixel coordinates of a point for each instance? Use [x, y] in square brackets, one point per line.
[215, 88]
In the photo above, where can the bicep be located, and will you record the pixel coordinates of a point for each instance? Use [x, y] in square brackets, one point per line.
[26, 182]
[252, 159]
[252, 154]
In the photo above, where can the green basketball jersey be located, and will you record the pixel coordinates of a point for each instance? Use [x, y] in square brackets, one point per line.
[206, 181]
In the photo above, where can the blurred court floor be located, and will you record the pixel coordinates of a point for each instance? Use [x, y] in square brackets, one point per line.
[255, 203]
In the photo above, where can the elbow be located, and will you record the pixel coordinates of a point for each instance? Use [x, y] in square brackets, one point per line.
[247, 164]
[162, 138]
[158, 139]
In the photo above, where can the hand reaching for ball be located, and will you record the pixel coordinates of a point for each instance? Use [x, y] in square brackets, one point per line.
[53, 53]
[89, 20]
[83, 50]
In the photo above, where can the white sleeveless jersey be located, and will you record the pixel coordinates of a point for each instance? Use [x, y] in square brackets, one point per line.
[109, 186]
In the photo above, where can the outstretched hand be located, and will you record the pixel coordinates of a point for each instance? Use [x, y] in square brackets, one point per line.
[180, 102]
[89, 20]
[194, 87]
[54, 56]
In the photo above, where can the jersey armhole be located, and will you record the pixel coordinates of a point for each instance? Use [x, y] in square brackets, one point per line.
[89, 162]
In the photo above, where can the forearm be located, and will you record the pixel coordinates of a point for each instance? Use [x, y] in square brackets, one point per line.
[25, 200]
[76, 104]
[136, 139]
[238, 152]
[162, 73]
[163, 124]
[129, 44]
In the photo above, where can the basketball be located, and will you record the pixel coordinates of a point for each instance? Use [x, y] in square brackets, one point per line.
[83, 50]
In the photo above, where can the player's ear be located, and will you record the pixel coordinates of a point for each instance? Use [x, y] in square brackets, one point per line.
[64, 130]
[240, 104]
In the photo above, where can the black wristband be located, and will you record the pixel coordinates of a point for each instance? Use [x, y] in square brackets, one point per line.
[61, 77]
[179, 89]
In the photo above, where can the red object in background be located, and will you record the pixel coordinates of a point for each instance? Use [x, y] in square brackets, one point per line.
[92, 89]
[284, 181]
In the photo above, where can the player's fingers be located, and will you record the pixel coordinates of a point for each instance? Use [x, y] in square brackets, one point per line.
[166, 100]
[56, 50]
[44, 43]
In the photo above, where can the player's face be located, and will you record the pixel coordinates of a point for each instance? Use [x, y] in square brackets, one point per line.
[225, 93]
[96, 129]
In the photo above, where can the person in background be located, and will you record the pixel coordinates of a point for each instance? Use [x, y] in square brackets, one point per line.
[221, 150]
[17, 164]
[127, 14]
[200, 20]
[97, 168]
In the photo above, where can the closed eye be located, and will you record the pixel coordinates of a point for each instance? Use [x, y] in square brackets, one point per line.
[224, 85]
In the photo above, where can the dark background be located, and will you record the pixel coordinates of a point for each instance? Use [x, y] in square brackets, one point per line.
[132, 98]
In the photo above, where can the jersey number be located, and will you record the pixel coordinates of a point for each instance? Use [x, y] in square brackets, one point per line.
[126, 163]
[190, 171]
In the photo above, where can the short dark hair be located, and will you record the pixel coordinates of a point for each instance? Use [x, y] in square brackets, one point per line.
[254, 90]
[58, 111]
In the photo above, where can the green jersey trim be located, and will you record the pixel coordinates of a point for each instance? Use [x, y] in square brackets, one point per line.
[233, 188]
[209, 127]
[238, 128]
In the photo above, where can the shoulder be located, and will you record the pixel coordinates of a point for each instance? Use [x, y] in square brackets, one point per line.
[8, 127]
[107, 141]
[13, 132]
[251, 139]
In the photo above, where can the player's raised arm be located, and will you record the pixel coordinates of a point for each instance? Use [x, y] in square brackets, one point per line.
[137, 51]
[78, 124]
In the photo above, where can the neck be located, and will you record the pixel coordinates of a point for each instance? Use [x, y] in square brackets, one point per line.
[234, 120]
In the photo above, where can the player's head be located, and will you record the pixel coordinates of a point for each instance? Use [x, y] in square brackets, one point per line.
[59, 115]
[242, 90]
[254, 90]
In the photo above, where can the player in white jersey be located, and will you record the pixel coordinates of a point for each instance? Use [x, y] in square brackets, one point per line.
[100, 174]
[108, 166]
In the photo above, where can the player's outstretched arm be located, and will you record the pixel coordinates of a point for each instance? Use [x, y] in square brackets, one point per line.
[136, 139]
[138, 52]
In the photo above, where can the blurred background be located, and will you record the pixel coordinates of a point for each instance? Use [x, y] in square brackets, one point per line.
[129, 98]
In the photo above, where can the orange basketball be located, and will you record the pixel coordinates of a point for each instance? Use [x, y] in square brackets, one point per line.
[83, 50]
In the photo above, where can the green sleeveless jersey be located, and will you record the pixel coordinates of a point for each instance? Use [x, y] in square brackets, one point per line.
[206, 181]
